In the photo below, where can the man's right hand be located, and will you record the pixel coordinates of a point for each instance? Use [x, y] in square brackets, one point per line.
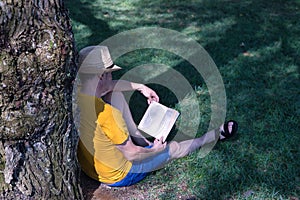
[159, 145]
[133, 152]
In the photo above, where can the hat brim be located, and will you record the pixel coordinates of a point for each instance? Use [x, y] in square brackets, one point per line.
[94, 70]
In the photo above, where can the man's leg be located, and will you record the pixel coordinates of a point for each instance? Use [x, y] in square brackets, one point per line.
[177, 149]
[181, 149]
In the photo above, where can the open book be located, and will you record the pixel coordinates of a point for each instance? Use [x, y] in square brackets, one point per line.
[158, 120]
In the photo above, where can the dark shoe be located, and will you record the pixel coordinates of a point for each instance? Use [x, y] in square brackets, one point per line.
[225, 133]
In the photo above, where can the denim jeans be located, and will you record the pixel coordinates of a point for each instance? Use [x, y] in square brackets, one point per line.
[140, 169]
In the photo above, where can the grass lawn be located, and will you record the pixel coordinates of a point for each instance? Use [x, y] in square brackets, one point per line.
[256, 46]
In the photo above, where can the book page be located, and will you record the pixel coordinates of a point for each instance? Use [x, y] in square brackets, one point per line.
[158, 120]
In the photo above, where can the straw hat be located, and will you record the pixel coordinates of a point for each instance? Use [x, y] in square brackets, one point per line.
[96, 60]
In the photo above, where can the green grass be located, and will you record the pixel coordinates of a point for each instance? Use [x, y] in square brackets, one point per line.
[256, 46]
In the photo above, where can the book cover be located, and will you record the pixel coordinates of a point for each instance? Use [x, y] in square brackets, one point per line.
[158, 120]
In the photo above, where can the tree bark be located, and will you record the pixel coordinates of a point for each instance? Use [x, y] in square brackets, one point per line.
[38, 139]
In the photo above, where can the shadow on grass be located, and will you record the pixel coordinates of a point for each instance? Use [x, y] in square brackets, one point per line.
[258, 57]
[92, 30]
[256, 45]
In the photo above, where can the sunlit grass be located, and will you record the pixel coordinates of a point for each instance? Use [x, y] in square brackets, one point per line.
[256, 46]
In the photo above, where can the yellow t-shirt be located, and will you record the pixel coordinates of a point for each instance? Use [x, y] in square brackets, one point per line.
[102, 127]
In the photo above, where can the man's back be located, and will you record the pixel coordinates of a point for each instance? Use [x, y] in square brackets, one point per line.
[101, 128]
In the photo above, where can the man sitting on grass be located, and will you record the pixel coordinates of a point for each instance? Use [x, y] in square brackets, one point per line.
[111, 148]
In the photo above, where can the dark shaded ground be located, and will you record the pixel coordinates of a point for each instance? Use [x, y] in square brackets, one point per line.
[93, 190]
[255, 45]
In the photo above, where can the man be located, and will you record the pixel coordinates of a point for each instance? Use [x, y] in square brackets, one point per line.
[111, 148]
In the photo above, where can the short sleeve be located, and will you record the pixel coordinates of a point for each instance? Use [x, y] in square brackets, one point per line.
[112, 124]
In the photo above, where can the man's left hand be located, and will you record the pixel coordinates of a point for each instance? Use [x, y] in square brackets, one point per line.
[149, 94]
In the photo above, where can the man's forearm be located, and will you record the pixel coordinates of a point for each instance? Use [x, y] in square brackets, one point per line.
[143, 153]
[123, 85]
[136, 153]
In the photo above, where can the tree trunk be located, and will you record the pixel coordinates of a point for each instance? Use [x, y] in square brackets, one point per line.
[38, 139]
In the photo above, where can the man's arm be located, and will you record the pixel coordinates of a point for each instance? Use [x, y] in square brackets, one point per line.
[133, 152]
[106, 85]
[123, 85]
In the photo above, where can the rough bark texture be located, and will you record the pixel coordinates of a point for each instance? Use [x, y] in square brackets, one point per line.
[37, 136]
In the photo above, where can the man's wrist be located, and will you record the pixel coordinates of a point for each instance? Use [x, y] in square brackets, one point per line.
[140, 87]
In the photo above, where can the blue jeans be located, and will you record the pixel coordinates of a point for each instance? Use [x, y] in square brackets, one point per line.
[141, 169]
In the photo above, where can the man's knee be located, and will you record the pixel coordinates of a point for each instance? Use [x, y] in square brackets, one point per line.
[174, 150]
[114, 96]
[117, 95]
[178, 150]
[116, 99]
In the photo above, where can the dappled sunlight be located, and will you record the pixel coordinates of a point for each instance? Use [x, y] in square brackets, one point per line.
[152, 71]
[190, 103]
[256, 47]
[211, 32]
[84, 32]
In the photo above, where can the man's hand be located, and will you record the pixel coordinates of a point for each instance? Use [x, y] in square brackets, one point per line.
[159, 145]
[149, 94]
[133, 152]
